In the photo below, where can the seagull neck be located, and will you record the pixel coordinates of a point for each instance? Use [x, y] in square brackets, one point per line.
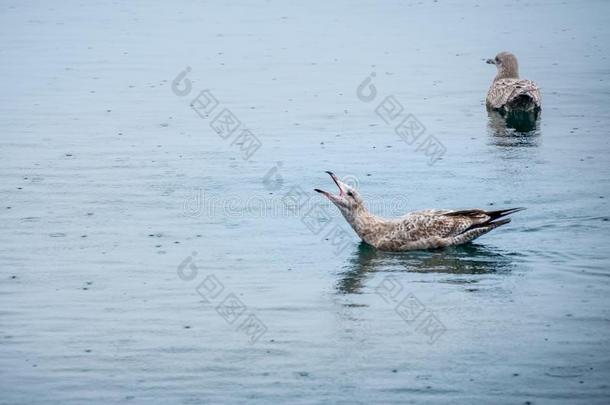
[507, 73]
[361, 220]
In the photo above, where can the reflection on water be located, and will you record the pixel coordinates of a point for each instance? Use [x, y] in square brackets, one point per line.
[514, 129]
[464, 259]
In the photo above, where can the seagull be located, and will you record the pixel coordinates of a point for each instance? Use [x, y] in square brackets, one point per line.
[427, 229]
[508, 93]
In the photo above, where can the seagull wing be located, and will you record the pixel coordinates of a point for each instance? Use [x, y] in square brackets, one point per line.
[449, 224]
[504, 91]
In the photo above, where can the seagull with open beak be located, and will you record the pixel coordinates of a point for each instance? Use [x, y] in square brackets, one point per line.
[425, 229]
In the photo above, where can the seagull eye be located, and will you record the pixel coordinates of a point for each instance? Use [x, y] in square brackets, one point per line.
[350, 193]
[497, 60]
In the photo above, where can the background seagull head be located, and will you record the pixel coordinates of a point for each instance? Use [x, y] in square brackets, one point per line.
[507, 65]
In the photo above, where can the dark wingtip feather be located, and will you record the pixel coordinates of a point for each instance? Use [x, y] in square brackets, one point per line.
[502, 213]
[494, 220]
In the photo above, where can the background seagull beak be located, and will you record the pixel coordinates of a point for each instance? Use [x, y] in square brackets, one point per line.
[490, 61]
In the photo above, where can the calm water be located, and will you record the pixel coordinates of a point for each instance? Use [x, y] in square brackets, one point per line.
[109, 182]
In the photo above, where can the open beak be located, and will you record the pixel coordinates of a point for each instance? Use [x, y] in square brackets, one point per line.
[490, 62]
[338, 183]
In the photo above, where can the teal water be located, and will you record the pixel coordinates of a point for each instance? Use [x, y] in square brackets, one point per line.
[110, 181]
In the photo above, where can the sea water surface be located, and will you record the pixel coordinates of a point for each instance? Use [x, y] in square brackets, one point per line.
[144, 260]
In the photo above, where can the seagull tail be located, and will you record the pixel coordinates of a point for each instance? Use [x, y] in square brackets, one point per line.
[523, 102]
[493, 221]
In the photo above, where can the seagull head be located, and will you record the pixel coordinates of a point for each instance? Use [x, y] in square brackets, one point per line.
[507, 65]
[348, 199]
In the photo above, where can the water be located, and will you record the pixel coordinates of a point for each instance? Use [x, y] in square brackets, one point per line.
[102, 164]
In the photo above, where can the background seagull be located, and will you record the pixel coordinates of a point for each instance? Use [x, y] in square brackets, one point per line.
[508, 92]
[417, 230]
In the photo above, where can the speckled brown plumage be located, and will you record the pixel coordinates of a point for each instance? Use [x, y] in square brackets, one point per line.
[507, 91]
[417, 230]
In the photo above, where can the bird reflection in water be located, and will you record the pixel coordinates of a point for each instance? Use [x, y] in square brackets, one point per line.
[514, 128]
[465, 259]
